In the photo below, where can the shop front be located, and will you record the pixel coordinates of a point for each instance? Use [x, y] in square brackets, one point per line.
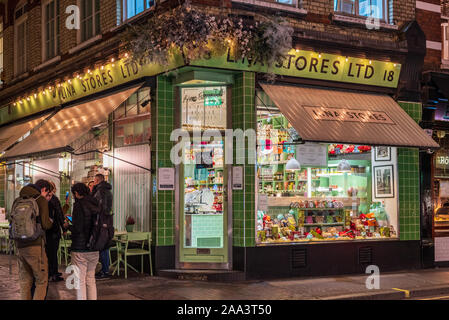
[315, 173]
[435, 171]
[107, 134]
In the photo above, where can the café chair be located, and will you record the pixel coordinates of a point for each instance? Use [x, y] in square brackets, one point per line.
[125, 252]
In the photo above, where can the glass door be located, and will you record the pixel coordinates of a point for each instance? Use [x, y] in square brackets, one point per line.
[203, 224]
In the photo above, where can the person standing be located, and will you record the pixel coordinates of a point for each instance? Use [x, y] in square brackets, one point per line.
[102, 193]
[53, 235]
[32, 258]
[85, 211]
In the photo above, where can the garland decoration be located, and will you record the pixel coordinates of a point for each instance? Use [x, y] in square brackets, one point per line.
[196, 34]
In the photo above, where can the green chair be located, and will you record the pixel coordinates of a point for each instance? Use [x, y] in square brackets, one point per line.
[125, 252]
[63, 250]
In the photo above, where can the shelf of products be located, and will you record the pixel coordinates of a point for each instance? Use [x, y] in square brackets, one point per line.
[315, 204]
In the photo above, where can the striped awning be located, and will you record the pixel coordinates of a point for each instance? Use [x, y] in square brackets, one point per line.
[343, 116]
[68, 125]
[12, 133]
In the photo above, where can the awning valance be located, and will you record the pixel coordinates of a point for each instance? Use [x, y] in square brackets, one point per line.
[343, 116]
[68, 125]
[12, 133]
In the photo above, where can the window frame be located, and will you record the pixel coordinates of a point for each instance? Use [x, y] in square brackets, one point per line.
[22, 20]
[445, 42]
[95, 15]
[123, 7]
[338, 5]
[45, 21]
[2, 50]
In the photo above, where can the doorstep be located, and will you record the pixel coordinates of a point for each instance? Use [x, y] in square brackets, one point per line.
[203, 275]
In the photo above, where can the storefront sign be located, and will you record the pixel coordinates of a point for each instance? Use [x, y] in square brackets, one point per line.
[441, 248]
[312, 155]
[166, 179]
[237, 178]
[442, 159]
[337, 114]
[305, 64]
[314, 65]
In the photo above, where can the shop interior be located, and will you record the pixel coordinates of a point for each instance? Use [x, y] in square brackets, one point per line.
[321, 191]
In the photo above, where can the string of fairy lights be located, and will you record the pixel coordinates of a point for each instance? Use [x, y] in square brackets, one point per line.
[112, 62]
[76, 76]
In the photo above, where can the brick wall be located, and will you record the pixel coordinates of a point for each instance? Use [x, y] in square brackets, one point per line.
[34, 38]
[430, 23]
[108, 17]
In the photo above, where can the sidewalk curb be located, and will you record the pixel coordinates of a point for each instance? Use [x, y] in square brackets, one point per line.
[425, 292]
[386, 295]
[393, 294]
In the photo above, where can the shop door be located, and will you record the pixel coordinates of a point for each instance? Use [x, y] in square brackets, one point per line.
[203, 219]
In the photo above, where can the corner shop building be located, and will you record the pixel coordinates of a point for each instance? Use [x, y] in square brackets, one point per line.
[239, 217]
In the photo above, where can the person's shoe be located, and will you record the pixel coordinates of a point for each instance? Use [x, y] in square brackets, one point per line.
[59, 274]
[99, 275]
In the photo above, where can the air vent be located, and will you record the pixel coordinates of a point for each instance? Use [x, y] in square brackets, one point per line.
[365, 255]
[299, 258]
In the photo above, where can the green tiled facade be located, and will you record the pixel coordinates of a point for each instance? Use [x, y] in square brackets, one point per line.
[163, 202]
[243, 201]
[408, 171]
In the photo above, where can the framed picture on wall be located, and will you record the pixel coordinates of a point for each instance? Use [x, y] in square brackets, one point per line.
[382, 154]
[383, 182]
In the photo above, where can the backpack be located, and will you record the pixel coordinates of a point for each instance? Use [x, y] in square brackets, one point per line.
[25, 223]
[102, 232]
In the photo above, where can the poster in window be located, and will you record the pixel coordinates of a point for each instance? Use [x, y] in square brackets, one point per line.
[382, 154]
[383, 182]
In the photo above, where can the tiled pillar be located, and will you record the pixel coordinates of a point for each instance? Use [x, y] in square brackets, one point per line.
[163, 202]
[408, 171]
[243, 201]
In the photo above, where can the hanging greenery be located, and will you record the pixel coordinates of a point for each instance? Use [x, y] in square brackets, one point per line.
[195, 34]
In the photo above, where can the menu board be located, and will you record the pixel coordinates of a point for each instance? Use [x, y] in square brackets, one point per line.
[312, 155]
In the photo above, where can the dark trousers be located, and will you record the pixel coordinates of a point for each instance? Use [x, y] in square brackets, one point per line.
[51, 248]
[104, 259]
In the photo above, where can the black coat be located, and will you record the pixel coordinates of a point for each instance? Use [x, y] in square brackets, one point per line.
[102, 193]
[56, 214]
[84, 214]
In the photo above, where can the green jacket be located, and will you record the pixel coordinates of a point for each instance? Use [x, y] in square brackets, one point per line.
[43, 213]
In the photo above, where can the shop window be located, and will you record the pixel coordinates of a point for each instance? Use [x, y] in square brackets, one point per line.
[321, 191]
[204, 107]
[51, 29]
[364, 8]
[90, 19]
[20, 38]
[131, 8]
[132, 124]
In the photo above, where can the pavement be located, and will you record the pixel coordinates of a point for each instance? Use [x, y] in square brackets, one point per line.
[410, 284]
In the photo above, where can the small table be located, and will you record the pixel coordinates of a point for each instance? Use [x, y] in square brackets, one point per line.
[118, 238]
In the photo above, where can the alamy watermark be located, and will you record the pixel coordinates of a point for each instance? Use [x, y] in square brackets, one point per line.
[245, 145]
[373, 281]
[73, 280]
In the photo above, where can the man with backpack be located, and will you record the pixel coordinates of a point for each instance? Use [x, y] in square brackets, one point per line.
[29, 219]
[102, 192]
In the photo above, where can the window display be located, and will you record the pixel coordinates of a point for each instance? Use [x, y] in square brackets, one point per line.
[321, 192]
